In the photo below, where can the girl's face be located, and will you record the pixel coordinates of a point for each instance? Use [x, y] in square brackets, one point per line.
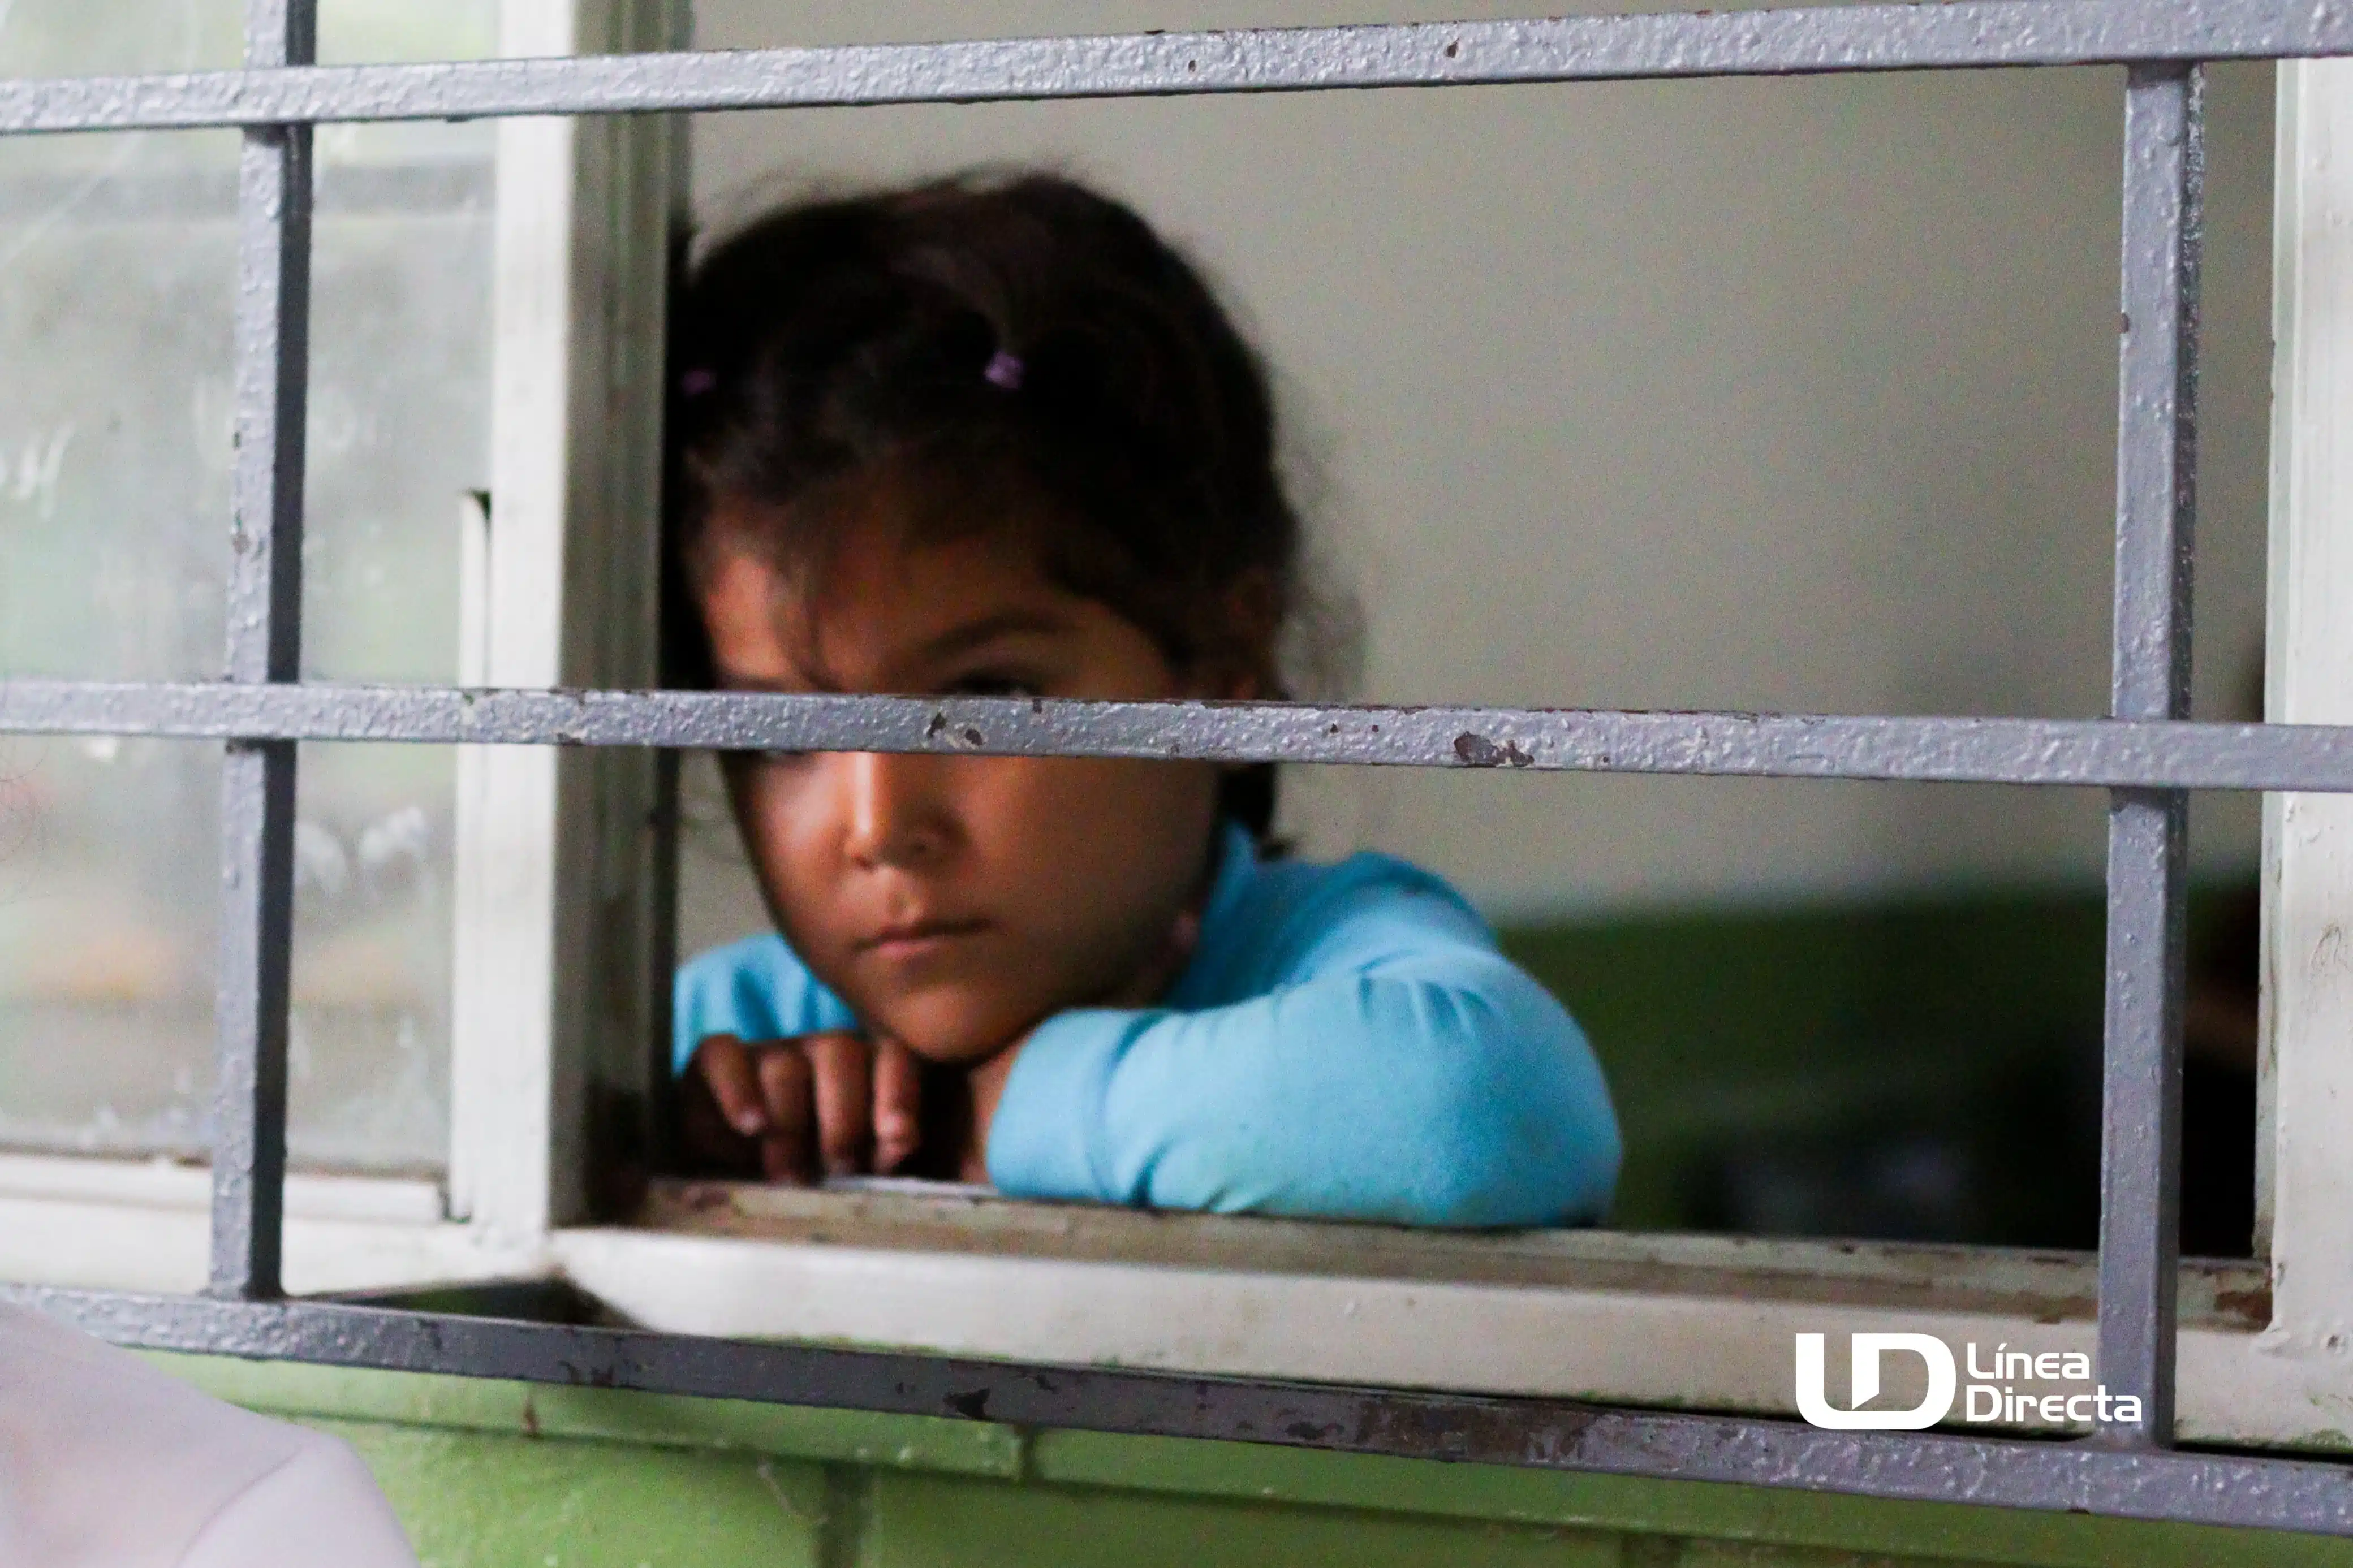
[955, 902]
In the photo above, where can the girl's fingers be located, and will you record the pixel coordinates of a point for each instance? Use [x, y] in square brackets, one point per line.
[724, 1064]
[842, 1065]
[705, 1139]
[786, 1091]
[897, 1104]
[825, 1102]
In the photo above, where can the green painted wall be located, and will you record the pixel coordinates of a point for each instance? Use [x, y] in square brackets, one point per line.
[1745, 1027]
[1814, 1046]
[501, 1474]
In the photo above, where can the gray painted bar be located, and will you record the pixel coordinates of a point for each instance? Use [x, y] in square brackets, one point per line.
[2157, 434]
[1797, 40]
[264, 603]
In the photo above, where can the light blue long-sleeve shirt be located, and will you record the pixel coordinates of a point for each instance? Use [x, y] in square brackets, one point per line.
[1345, 1042]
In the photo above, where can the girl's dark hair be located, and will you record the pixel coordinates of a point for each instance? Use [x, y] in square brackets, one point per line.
[1016, 353]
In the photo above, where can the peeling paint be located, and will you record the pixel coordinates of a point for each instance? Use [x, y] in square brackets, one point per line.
[1478, 751]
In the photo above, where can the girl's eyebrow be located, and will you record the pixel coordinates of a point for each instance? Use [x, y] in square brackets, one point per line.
[989, 628]
[947, 645]
[729, 681]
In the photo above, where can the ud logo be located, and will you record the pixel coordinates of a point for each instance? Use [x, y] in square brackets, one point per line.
[1813, 1401]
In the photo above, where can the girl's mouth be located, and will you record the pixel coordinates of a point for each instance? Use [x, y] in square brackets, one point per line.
[919, 939]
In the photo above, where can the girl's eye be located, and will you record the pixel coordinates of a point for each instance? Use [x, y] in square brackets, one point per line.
[762, 759]
[991, 685]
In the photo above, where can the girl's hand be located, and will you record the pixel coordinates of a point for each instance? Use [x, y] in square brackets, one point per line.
[831, 1104]
[841, 1103]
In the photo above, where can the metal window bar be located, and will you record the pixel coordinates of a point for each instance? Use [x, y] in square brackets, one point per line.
[2148, 829]
[264, 603]
[2146, 754]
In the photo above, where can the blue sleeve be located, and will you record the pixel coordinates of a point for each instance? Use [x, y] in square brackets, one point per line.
[1401, 1069]
[755, 989]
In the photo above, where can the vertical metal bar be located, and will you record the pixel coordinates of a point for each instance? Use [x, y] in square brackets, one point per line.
[672, 607]
[264, 605]
[2140, 1151]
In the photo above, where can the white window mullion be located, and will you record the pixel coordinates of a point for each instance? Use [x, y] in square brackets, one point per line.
[555, 989]
[2306, 1155]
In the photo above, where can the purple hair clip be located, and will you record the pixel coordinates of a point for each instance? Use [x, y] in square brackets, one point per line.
[695, 383]
[1005, 371]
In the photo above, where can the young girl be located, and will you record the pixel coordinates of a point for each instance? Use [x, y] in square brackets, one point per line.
[995, 438]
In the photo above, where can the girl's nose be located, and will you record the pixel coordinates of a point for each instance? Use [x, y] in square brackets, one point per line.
[893, 813]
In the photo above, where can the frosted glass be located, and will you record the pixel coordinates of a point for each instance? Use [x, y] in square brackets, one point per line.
[116, 287]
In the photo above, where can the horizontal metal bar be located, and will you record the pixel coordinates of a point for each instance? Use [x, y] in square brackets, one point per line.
[2206, 1489]
[2083, 752]
[1799, 40]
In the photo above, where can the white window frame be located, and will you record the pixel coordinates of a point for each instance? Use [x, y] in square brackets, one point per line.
[557, 983]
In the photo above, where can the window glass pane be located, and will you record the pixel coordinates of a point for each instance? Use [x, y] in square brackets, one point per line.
[117, 257]
[1793, 395]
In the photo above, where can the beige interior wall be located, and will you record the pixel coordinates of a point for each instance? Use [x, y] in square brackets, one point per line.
[1791, 394]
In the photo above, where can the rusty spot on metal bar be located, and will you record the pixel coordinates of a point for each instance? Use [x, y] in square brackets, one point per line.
[1478, 751]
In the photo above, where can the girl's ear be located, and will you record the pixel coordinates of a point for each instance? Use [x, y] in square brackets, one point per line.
[1242, 667]
[1234, 681]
